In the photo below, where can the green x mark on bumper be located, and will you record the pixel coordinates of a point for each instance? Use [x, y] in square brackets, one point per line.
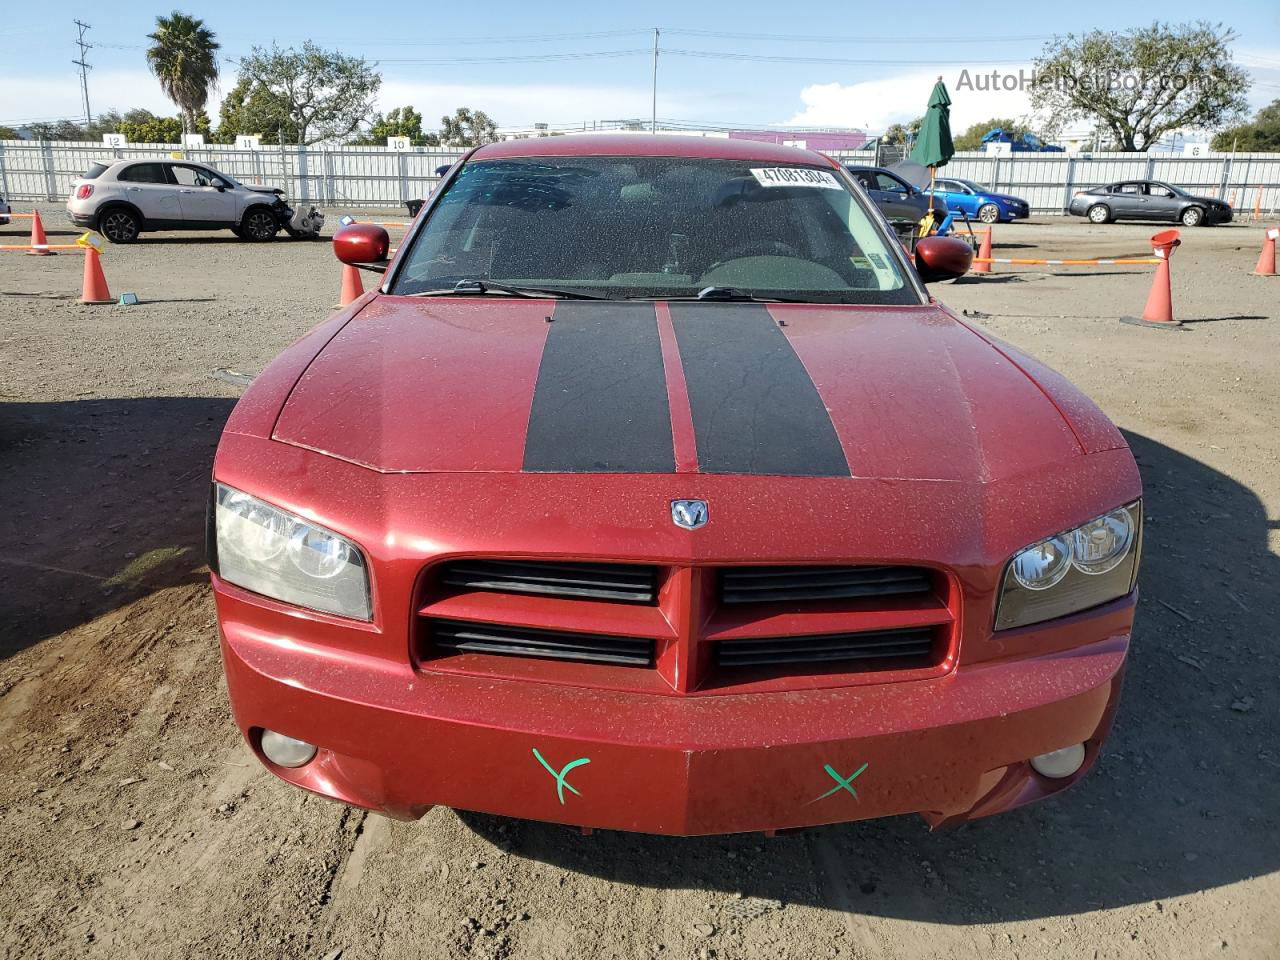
[561, 782]
[842, 783]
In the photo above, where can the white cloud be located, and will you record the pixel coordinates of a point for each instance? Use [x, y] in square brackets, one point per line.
[56, 96]
[875, 104]
[523, 104]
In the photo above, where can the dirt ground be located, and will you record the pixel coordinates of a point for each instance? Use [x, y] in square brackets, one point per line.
[133, 823]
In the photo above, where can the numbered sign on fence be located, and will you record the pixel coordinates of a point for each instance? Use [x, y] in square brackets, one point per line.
[1195, 149]
[248, 141]
[115, 140]
[398, 143]
[193, 139]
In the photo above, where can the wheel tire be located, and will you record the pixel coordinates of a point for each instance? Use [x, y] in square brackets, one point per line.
[1099, 213]
[259, 225]
[1192, 217]
[989, 213]
[119, 225]
[238, 232]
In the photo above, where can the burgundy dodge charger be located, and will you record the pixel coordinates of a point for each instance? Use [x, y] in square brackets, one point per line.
[652, 491]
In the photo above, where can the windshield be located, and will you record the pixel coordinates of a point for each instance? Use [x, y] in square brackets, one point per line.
[652, 227]
[976, 187]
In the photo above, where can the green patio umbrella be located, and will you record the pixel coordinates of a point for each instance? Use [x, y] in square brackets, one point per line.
[933, 146]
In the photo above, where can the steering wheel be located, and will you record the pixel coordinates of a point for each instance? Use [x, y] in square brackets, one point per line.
[755, 248]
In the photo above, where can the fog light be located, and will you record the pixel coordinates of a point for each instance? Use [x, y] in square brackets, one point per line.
[1058, 763]
[286, 751]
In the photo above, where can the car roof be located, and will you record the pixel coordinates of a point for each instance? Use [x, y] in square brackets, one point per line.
[648, 145]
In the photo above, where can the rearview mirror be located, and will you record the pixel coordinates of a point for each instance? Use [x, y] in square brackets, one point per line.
[942, 258]
[361, 243]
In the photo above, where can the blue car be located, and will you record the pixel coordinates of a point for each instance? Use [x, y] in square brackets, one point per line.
[978, 203]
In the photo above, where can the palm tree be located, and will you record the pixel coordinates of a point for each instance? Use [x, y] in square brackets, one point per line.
[183, 56]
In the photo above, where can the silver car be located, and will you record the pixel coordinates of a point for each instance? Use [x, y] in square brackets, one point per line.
[124, 199]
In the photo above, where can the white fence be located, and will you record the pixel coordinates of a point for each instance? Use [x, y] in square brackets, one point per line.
[1047, 181]
[343, 177]
[375, 176]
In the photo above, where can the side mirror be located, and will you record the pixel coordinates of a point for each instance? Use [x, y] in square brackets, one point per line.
[361, 243]
[942, 258]
[220, 188]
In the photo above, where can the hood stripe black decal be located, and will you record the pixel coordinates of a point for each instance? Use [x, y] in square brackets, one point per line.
[600, 403]
[755, 408]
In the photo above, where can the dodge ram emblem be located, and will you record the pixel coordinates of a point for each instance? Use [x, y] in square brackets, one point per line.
[690, 514]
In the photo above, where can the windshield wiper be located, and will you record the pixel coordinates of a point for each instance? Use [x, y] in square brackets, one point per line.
[730, 295]
[483, 287]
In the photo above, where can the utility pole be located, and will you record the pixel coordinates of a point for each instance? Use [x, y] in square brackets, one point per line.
[653, 124]
[84, 70]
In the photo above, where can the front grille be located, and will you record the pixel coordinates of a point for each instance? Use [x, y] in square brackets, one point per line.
[914, 644]
[462, 637]
[771, 584]
[589, 581]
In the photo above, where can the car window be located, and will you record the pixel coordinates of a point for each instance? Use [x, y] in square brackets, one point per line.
[1127, 188]
[1157, 190]
[647, 227]
[143, 173]
[95, 171]
[865, 178]
[890, 184]
[196, 177]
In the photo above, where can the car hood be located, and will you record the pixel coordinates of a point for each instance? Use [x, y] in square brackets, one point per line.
[261, 188]
[540, 386]
[1003, 198]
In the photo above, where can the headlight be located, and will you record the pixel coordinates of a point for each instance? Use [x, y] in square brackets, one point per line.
[269, 551]
[1075, 570]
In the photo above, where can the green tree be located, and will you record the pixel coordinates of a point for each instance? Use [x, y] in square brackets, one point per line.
[315, 94]
[400, 122]
[1261, 134]
[250, 108]
[143, 126]
[467, 128]
[183, 56]
[971, 139]
[899, 135]
[1140, 84]
[8, 133]
[57, 130]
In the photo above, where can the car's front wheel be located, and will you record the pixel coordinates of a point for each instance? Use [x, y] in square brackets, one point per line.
[989, 213]
[119, 225]
[1099, 213]
[258, 225]
[1192, 217]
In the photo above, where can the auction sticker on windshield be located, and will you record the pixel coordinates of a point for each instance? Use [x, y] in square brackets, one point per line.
[794, 177]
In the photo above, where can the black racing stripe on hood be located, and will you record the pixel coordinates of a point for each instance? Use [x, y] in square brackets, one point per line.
[600, 403]
[755, 408]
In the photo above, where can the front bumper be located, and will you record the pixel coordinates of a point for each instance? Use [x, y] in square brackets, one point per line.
[401, 739]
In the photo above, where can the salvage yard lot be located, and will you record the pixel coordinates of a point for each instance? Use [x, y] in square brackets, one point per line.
[133, 822]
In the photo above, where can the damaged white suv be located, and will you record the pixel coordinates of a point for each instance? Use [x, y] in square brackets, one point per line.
[124, 199]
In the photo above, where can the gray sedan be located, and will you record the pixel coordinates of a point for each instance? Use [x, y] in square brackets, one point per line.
[1148, 200]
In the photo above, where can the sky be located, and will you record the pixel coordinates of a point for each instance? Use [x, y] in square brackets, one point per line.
[832, 65]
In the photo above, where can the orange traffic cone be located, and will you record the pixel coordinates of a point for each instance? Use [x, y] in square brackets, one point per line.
[352, 288]
[39, 245]
[94, 288]
[984, 253]
[1159, 309]
[1267, 259]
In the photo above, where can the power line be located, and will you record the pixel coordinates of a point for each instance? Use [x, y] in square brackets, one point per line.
[895, 61]
[85, 67]
[517, 58]
[863, 38]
